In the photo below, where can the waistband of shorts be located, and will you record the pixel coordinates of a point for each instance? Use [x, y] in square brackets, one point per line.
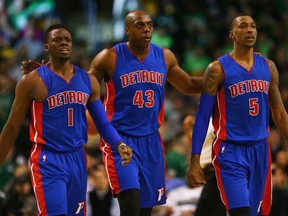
[72, 150]
[244, 143]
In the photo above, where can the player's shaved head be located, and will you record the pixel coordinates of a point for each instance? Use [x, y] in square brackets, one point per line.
[131, 16]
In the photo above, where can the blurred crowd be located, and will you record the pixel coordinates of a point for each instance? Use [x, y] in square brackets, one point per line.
[196, 31]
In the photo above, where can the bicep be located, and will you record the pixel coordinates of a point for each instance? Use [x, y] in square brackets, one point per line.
[213, 78]
[103, 63]
[95, 89]
[275, 99]
[96, 70]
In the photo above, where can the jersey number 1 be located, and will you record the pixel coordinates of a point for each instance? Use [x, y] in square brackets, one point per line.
[70, 117]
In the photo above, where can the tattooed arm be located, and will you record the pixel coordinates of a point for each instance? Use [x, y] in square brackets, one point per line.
[279, 114]
[213, 79]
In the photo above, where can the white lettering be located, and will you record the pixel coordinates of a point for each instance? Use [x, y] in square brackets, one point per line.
[160, 193]
[142, 76]
[80, 206]
[248, 86]
[63, 98]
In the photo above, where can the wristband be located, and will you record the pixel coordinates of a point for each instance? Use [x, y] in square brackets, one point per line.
[203, 115]
[104, 127]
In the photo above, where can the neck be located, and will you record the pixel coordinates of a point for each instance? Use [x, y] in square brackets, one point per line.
[138, 50]
[242, 54]
[60, 67]
[243, 57]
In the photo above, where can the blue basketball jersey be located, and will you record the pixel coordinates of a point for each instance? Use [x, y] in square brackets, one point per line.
[242, 110]
[59, 122]
[134, 100]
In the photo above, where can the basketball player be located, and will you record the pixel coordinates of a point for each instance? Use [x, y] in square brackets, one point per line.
[238, 90]
[135, 73]
[57, 97]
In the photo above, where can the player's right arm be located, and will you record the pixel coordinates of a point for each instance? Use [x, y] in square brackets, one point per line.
[213, 78]
[25, 89]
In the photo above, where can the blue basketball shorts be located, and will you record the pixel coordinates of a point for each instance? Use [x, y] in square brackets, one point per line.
[244, 175]
[59, 181]
[145, 172]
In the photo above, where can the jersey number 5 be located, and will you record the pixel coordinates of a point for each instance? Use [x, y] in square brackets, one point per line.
[253, 106]
[139, 100]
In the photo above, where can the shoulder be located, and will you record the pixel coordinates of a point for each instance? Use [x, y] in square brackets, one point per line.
[271, 65]
[273, 69]
[105, 55]
[214, 67]
[167, 51]
[31, 78]
[269, 62]
[108, 52]
[104, 60]
[169, 56]
[30, 84]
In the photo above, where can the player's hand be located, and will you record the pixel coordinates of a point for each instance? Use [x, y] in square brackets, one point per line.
[28, 66]
[195, 175]
[125, 152]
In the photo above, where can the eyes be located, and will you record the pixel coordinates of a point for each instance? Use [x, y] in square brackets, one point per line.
[247, 25]
[142, 25]
[61, 39]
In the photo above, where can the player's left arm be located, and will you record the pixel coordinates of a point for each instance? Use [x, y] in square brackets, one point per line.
[104, 127]
[213, 78]
[279, 114]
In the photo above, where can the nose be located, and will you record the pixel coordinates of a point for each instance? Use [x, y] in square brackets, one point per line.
[64, 42]
[147, 28]
[250, 29]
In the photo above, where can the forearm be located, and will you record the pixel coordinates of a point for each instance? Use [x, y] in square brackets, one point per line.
[197, 83]
[104, 127]
[202, 122]
[7, 139]
[281, 121]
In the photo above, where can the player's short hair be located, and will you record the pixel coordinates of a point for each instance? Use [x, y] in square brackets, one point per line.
[232, 21]
[53, 27]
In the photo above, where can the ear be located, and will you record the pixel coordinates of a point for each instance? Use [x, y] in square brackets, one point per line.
[127, 31]
[231, 35]
[46, 47]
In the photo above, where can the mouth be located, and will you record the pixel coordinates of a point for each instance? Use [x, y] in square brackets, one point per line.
[250, 37]
[65, 50]
[147, 38]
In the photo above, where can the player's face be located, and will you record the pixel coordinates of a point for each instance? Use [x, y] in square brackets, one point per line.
[244, 31]
[59, 44]
[140, 29]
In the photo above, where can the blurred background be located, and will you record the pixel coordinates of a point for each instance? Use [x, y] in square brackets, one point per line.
[196, 31]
